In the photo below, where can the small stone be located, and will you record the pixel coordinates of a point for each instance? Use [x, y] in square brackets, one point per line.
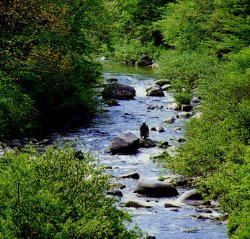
[160, 129]
[169, 120]
[137, 204]
[184, 115]
[180, 140]
[173, 106]
[196, 100]
[163, 144]
[186, 107]
[115, 192]
[173, 204]
[173, 209]
[130, 175]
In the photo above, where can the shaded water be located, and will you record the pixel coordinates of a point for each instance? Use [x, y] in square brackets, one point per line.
[156, 221]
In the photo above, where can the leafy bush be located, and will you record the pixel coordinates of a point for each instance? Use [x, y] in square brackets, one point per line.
[56, 195]
[182, 98]
[17, 112]
[187, 66]
[130, 50]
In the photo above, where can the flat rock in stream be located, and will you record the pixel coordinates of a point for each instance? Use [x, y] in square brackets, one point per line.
[147, 143]
[115, 192]
[130, 175]
[137, 204]
[155, 188]
[173, 204]
[126, 143]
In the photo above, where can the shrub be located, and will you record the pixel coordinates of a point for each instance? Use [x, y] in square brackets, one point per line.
[17, 112]
[56, 195]
[182, 98]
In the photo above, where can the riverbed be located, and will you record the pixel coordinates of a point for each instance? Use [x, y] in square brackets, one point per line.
[157, 221]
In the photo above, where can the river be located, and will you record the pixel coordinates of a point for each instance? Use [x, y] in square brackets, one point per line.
[128, 116]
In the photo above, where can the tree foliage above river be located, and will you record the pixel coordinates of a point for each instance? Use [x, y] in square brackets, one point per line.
[46, 56]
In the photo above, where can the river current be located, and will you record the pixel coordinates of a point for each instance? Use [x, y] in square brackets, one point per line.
[128, 116]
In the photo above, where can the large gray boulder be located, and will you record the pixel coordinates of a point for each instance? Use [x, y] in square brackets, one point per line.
[155, 188]
[155, 90]
[118, 91]
[126, 143]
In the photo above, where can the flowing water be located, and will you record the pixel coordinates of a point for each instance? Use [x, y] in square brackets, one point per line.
[128, 116]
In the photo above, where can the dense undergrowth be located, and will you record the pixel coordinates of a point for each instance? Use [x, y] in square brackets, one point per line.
[57, 195]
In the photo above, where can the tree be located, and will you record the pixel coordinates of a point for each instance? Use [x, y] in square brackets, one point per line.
[47, 50]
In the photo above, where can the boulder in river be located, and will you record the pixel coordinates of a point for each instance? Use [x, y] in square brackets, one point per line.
[173, 204]
[173, 106]
[170, 120]
[155, 107]
[130, 175]
[111, 102]
[166, 87]
[118, 91]
[186, 107]
[155, 90]
[147, 143]
[137, 204]
[191, 197]
[184, 115]
[144, 61]
[115, 192]
[157, 128]
[126, 143]
[177, 180]
[162, 82]
[155, 188]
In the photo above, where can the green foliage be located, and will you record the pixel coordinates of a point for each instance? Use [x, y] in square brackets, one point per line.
[47, 50]
[219, 25]
[138, 16]
[182, 98]
[231, 184]
[56, 195]
[184, 25]
[130, 50]
[210, 51]
[17, 114]
[187, 66]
